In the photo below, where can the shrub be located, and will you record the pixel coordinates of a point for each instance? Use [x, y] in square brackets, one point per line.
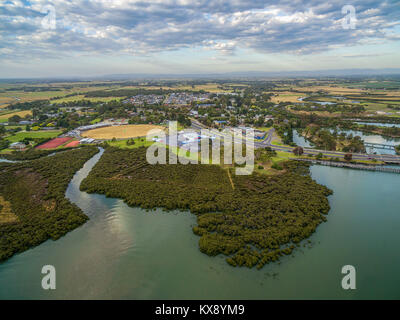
[298, 151]
[276, 166]
[348, 157]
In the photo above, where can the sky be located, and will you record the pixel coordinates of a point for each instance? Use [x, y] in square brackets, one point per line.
[64, 38]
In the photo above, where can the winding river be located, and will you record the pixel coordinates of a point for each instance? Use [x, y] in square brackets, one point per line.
[128, 253]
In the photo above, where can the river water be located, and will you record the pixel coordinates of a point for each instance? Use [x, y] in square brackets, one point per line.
[128, 253]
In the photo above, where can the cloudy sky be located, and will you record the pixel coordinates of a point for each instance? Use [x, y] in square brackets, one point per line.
[87, 38]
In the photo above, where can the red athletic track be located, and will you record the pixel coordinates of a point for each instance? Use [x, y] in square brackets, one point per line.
[52, 144]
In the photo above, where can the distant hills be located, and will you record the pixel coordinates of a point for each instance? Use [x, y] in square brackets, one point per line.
[258, 74]
[229, 75]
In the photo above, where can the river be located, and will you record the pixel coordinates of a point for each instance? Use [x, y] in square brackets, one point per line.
[128, 253]
[366, 137]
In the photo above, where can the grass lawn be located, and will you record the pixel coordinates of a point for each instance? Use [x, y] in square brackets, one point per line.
[139, 142]
[15, 127]
[180, 127]
[19, 136]
[6, 151]
[264, 128]
[282, 156]
[277, 143]
[97, 120]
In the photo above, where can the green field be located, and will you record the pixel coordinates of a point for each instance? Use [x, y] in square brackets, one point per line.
[282, 156]
[263, 128]
[19, 136]
[82, 97]
[5, 115]
[374, 85]
[16, 127]
[139, 142]
[95, 121]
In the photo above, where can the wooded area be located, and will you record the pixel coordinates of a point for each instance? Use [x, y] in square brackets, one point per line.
[36, 191]
[259, 220]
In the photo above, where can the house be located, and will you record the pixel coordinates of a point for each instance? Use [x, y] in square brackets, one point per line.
[25, 122]
[86, 140]
[17, 145]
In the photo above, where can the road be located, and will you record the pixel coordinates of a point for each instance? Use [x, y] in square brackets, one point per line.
[267, 142]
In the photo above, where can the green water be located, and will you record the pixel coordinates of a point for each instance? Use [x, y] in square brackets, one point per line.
[128, 253]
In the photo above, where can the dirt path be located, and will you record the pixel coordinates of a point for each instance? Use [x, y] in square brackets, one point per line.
[230, 179]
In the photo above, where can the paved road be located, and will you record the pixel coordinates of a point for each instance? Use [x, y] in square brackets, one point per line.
[267, 142]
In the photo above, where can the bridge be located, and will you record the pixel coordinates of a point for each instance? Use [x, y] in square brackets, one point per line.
[350, 165]
[378, 145]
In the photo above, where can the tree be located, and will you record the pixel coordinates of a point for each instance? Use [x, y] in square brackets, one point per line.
[14, 119]
[130, 142]
[348, 157]
[233, 121]
[298, 151]
[4, 144]
[319, 156]
[260, 122]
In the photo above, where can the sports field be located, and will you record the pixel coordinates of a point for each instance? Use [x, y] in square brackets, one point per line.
[72, 144]
[120, 132]
[52, 144]
[19, 136]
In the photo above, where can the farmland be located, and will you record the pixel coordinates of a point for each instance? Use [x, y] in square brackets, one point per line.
[82, 97]
[120, 132]
[4, 116]
[286, 97]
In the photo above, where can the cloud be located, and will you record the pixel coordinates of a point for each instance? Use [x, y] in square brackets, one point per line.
[145, 27]
[357, 56]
